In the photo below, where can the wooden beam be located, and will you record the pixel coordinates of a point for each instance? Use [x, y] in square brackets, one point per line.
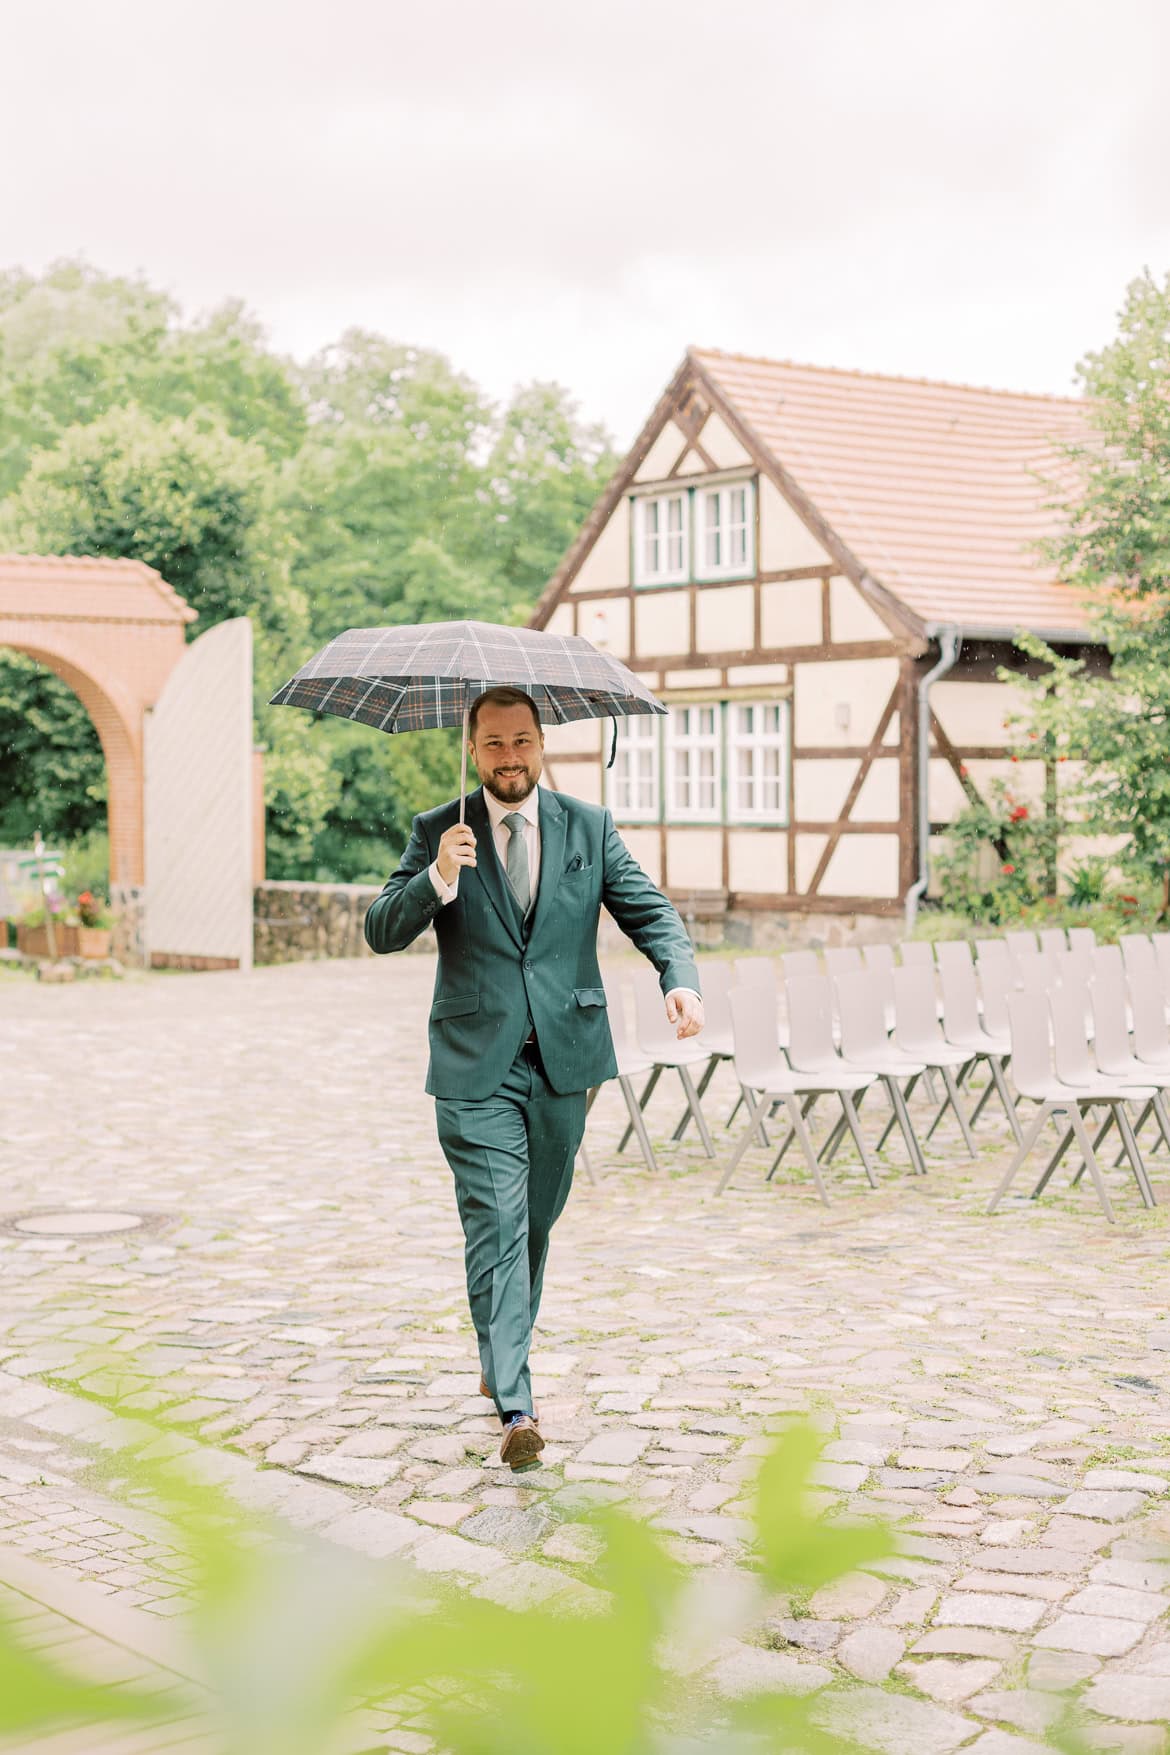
[852, 795]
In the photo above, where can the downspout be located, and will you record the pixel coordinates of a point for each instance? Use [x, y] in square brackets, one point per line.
[950, 644]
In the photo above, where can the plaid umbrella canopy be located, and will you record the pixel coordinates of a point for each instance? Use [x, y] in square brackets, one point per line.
[416, 679]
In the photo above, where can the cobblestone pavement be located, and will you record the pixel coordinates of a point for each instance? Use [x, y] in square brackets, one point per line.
[294, 1299]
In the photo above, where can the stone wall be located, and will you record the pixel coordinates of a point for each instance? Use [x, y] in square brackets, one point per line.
[297, 922]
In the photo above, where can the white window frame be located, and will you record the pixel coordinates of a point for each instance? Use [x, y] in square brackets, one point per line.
[676, 739]
[721, 493]
[637, 735]
[664, 575]
[758, 741]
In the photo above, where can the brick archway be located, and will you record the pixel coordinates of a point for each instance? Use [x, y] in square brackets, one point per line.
[113, 630]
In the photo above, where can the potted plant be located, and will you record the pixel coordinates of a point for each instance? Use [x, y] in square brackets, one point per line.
[94, 926]
[33, 935]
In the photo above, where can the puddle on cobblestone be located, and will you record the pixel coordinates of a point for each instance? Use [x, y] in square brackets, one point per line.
[73, 1224]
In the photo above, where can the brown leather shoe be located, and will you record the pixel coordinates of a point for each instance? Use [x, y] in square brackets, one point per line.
[522, 1442]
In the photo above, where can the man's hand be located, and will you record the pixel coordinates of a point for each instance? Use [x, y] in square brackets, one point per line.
[456, 849]
[686, 1011]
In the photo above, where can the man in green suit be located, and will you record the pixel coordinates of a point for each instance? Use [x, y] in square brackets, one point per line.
[518, 1026]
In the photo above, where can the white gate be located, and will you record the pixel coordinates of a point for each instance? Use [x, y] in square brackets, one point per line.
[198, 785]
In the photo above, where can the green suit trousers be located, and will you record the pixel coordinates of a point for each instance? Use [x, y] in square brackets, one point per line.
[512, 1157]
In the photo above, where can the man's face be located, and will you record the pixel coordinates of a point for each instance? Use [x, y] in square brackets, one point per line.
[507, 750]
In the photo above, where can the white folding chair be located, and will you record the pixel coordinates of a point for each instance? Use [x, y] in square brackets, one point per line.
[657, 1039]
[1077, 1068]
[1053, 938]
[1151, 1036]
[917, 1033]
[632, 1064]
[1161, 944]
[963, 1028]
[1032, 1018]
[812, 1053]
[1081, 939]
[1116, 1060]
[881, 962]
[1021, 941]
[717, 1036]
[866, 1046]
[766, 1081]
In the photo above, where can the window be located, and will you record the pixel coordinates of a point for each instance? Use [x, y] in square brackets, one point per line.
[725, 530]
[706, 762]
[633, 779]
[757, 761]
[661, 548]
[693, 777]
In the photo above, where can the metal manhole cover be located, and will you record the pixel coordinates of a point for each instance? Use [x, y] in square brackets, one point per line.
[62, 1223]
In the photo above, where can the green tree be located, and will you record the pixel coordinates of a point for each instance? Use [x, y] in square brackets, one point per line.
[1113, 731]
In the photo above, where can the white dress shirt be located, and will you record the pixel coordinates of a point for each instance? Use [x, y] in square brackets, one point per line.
[501, 835]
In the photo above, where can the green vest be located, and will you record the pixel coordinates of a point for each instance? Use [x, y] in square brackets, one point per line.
[494, 976]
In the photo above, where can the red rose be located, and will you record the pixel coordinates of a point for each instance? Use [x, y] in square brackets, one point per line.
[1020, 813]
[1007, 870]
[1015, 758]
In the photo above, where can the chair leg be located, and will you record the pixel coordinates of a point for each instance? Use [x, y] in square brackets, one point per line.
[902, 1115]
[688, 1085]
[584, 1160]
[1053, 1164]
[749, 1134]
[1090, 1157]
[1163, 1114]
[806, 1109]
[1024, 1151]
[854, 1121]
[956, 1105]
[684, 1118]
[1000, 1084]
[1132, 1152]
[637, 1122]
[806, 1145]
[1100, 1135]
[642, 1102]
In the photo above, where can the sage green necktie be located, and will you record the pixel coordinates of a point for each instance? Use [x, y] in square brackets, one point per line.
[518, 876]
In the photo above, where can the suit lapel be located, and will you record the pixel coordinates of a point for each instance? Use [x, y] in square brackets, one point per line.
[553, 825]
[488, 868]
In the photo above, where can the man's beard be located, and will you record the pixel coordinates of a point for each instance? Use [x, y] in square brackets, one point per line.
[511, 788]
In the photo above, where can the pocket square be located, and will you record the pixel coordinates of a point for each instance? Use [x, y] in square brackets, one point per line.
[576, 863]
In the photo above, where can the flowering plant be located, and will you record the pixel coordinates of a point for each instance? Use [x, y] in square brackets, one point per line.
[91, 910]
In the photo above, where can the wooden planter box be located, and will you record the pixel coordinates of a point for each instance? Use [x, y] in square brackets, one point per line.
[93, 941]
[34, 940]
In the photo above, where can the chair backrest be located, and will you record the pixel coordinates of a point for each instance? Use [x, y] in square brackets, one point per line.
[757, 972]
[1161, 943]
[655, 1032]
[953, 953]
[879, 959]
[1111, 1045]
[1033, 971]
[994, 950]
[861, 1010]
[1082, 939]
[1030, 1024]
[843, 960]
[1137, 951]
[615, 1007]
[1070, 1038]
[810, 1023]
[1052, 938]
[916, 953]
[960, 998]
[1107, 971]
[915, 1010]
[799, 963]
[716, 983]
[1151, 1039]
[996, 981]
[1021, 940]
[758, 1064]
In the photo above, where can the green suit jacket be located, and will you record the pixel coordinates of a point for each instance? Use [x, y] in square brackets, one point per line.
[493, 976]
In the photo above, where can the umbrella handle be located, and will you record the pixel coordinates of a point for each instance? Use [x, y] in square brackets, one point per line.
[463, 762]
[613, 745]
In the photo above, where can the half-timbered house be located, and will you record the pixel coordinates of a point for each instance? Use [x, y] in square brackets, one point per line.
[820, 572]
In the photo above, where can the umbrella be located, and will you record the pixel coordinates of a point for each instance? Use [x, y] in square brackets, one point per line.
[417, 678]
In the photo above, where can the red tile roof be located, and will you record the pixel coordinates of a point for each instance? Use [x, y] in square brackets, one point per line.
[96, 587]
[933, 487]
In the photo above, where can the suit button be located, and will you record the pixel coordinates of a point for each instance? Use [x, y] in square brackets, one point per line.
[528, 968]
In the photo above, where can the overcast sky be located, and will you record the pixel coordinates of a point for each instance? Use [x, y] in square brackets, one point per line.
[945, 188]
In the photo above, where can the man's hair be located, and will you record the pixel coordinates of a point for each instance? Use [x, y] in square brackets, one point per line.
[501, 697]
